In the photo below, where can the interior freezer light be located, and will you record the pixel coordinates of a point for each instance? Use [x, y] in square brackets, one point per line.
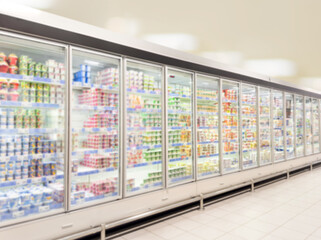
[272, 67]
[92, 63]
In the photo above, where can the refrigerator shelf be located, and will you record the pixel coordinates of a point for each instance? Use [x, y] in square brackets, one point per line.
[136, 165]
[179, 179]
[31, 79]
[145, 92]
[30, 105]
[93, 151]
[144, 147]
[31, 210]
[80, 85]
[229, 127]
[209, 173]
[178, 95]
[209, 156]
[90, 130]
[144, 128]
[170, 111]
[207, 113]
[251, 127]
[180, 128]
[229, 100]
[20, 182]
[85, 171]
[230, 140]
[248, 115]
[179, 144]
[230, 114]
[249, 139]
[179, 159]
[249, 103]
[32, 156]
[209, 127]
[143, 110]
[30, 131]
[207, 98]
[229, 153]
[93, 108]
[207, 142]
[249, 150]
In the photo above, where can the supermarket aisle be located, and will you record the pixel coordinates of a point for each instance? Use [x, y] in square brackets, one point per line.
[285, 210]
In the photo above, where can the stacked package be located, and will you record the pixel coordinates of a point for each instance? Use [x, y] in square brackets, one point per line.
[101, 120]
[97, 97]
[108, 77]
[103, 187]
[57, 191]
[100, 161]
[84, 75]
[102, 141]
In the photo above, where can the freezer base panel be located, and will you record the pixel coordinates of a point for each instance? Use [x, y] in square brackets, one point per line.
[65, 224]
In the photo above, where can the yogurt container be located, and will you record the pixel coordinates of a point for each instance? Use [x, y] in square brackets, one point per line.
[3, 202]
[13, 201]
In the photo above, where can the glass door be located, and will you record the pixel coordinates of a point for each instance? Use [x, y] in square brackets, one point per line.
[180, 122]
[308, 126]
[32, 127]
[289, 125]
[299, 119]
[249, 126]
[95, 128]
[207, 126]
[316, 124]
[144, 171]
[278, 125]
[230, 126]
[265, 125]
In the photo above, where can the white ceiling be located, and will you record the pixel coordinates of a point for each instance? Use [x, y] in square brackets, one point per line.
[233, 31]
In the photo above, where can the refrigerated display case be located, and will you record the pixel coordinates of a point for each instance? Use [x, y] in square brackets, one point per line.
[299, 130]
[249, 126]
[308, 126]
[144, 142]
[278, 125]
[95, 127]
[207, 97]
[289, 125]
[316, 125]
[32, 128]
[230, 127]
[179, 126]
[265, 125]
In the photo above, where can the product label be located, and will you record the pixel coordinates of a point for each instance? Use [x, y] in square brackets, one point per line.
[28, 78]
[44, 208]
[21, 181]
[18, 214]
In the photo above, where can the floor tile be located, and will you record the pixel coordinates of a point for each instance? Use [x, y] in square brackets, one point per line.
[167, 232]
[207, 232]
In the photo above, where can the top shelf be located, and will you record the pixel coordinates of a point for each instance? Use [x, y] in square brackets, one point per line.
[32, 79]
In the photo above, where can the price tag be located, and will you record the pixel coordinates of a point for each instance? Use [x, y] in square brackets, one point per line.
[28, 78]
[18, 214]
[80, 201]
[37, 180]
[21, 158]
[44, 208]
[51, 178]
[21, 181]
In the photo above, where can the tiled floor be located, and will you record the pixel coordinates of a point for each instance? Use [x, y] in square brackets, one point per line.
[289, 209]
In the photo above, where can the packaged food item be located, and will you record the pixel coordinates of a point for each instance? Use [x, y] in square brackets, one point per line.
[3, 94]
[12, 59]
[13, 69]
[3, 66]
[3, 56]
[23, 71]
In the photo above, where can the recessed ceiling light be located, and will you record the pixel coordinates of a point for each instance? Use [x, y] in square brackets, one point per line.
[271, 67]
